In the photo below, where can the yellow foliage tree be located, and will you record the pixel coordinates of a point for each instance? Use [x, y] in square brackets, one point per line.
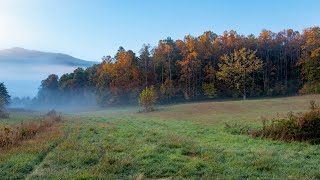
[148, 98]
[236, 68]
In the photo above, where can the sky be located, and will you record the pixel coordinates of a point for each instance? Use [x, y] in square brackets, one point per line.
[90, 29]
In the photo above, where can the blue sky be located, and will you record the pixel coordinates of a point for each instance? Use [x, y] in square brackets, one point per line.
[89, 29]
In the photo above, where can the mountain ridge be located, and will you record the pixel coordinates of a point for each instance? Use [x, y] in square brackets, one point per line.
[22, 55]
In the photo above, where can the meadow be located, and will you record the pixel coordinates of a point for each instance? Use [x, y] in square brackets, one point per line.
[185, 141]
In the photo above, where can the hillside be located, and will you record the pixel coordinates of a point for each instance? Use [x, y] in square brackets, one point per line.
[22, 69]
[18, 55]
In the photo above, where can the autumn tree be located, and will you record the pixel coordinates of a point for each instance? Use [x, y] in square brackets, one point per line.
[205, 46]
[148, 98]
[162, 55]
[310, 60]
[190, 68]
[166, 55]
[119, 80]
[166, 52]
[235, 69]
[102, 83]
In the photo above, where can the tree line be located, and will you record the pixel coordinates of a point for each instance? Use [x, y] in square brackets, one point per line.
[197, 68]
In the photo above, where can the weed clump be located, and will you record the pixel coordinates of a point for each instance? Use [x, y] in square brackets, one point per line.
[13, 135]
[237, 128]
[296, 127]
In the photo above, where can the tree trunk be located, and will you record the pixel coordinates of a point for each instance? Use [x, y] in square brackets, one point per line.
[146, 73]
[244, 88]
[162, 74]
[169, 68]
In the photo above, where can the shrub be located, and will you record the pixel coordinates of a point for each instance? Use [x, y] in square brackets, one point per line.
[298, 127]
[13, 135]
[52, 116]
[148, 98]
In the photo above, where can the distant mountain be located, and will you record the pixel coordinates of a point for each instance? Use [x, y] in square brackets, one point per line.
[18, 55]
[22, 70]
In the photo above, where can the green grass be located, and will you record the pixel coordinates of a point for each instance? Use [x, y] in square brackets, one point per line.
[186, 141]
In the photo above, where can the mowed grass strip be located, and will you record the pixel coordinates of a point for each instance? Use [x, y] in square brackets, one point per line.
[186, 141]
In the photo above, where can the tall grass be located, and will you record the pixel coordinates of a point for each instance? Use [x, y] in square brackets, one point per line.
[296, 127]
[14, 134]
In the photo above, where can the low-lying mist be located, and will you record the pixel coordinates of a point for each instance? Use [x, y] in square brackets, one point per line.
[68, 105]
[24, 80]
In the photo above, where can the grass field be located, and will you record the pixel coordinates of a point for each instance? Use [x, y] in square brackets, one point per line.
[186, 141]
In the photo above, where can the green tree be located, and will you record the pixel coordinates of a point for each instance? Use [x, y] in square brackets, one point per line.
[49, 90]
[235, 69]
[4, 96]
[148, 98]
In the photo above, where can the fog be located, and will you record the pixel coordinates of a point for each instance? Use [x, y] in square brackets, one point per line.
[70, 103]
[24, 80]
[74, 105]
[22, 70]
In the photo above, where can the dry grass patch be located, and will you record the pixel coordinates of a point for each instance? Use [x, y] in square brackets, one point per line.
[13, 135]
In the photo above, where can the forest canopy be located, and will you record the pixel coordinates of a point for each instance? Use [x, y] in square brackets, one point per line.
[197, 68]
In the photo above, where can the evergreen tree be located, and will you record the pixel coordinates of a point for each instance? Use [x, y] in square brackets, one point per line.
[4, 96]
